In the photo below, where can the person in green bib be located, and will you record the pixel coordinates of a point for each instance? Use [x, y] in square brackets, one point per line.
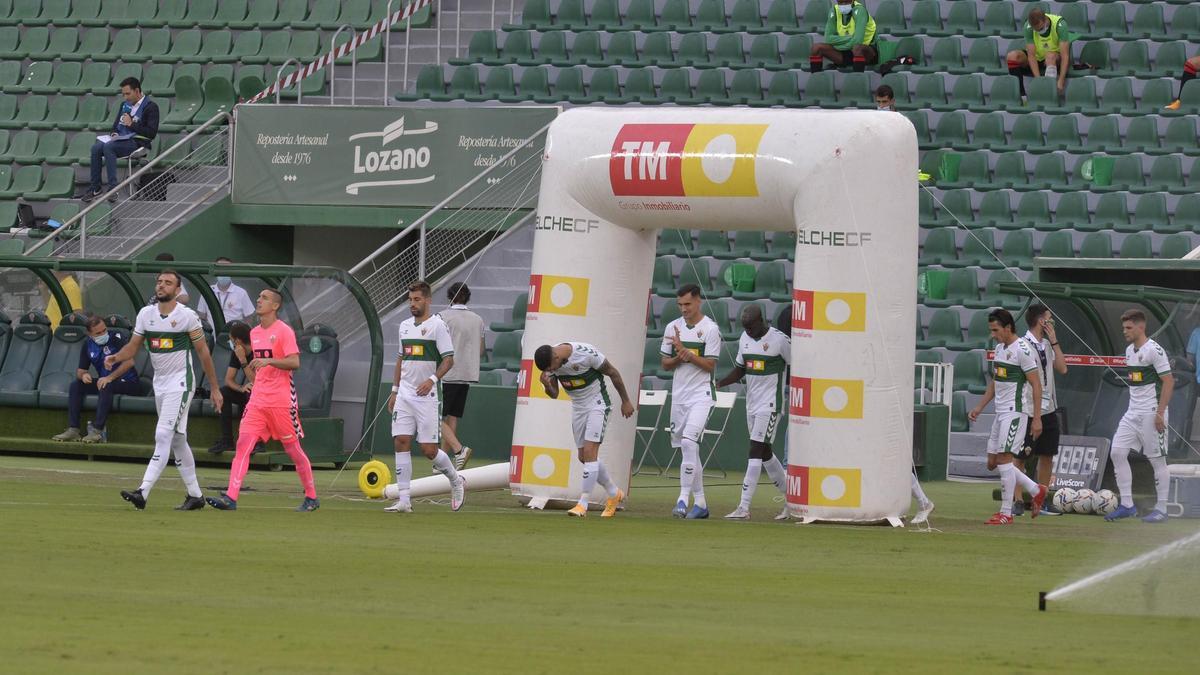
[849, 38]
[1047, 50]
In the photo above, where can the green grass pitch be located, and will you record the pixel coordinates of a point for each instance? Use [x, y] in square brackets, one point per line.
[90, 585]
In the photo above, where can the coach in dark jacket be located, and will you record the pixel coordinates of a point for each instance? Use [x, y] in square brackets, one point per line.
[135, 127]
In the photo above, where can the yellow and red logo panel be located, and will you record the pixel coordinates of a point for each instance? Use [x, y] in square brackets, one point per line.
[685, 160]
[836, 399]
[829, 310]
[529, 382]
[532, 465]
[824, 486]
[552, 294]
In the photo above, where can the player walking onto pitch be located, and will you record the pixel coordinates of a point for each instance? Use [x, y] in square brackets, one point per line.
[690, 347]
[273, 410]
[762, 358]
[171, 333]
[1050, 357]
[1017, 389]
[1143, 427]
[580, 368]
[426, 354]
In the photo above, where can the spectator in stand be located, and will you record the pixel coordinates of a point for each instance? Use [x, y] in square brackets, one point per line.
[885, 98]
[1047, 50]
[849, 38]
[100, 343]
[234, 300]
[135, 127]
[1190, 68]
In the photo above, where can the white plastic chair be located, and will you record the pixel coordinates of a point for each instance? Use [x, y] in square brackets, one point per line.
[651, 398]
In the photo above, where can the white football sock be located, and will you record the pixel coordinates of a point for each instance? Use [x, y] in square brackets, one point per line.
[1162, 482]
[750, 482]
[403, 473]
[186, 462]
[1124, 474]
[602, 474]
[163, 438]
[777, 473]
[917, 493]
[1025, 481]
[444, 466]
[697, 473]
[687, 467]
[1008, 485]
[1052, 72]
[591, 473]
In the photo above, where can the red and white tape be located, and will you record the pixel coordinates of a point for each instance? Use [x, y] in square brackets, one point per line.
[1084, 360]
[341, 50]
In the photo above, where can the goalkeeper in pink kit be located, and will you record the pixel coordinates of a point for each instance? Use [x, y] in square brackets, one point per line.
[273, 410]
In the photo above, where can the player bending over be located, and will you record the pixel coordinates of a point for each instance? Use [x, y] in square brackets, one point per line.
[1017, 389]
[426, 354]
[273, 411]
[171, 332]
[762, 358]
[1143, 427]
[580, 369]
[690, 347]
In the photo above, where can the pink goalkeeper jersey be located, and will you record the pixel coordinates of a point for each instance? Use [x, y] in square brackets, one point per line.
[273, 387]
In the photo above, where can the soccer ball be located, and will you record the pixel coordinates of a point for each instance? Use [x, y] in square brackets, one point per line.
[1083, 501]
[1104, 502]
[1064, 499]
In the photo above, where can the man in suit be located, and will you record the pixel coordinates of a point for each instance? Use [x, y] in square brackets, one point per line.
[136, 126]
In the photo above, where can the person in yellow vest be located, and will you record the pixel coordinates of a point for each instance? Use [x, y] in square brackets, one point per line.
[74, 296]
[849, 38]
[1047, 50]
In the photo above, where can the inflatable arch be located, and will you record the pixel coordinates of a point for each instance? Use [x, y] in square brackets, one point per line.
[841, 180]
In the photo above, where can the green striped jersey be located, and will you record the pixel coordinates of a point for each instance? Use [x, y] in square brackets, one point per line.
[581, 378]
[765, 361]
[690, 382]
[1011, 366]
[169, 340]
[422, 347]
[1145, 367]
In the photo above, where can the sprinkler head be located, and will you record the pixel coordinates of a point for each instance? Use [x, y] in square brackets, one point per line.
[1041, 601]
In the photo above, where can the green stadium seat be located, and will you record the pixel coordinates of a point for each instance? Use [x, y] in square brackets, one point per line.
[961, 289]
[535, 85]
[920, 122]
[1061, 134]
[656, 50]
[568, 86]
[517, 48]
[973, 171]
[696, 272]
[605, 15]
[1049, 173]
[499, 86]
[930, 92]
[999, 20]
[1148, 24]
[795, 50]
[674, 242]
[746, 243]
[1175, 246]
[622, 50]
[1096, 245]
[670, 312]
[1033, 212]
[33, 42]
[769, 283]
[4, 137]
[1058, 245]
[214, 48]
[260, 15]
[1187, 213]
[926, 211]
[33, 109]
[988, 132]
[995, 210]
[728, 51]
[963, 19]
[675, 86]
[1072, 212]
[781, 16]
[429, 84]
[992, 297]
[764, 52]
[946, 57]
[464, 82]
[93, 75]
[662, 282]
[639, 86]
[37, 78]
[1137, 246]
[1112, 212]
[783, 89]
[944, 327]
[926, 17]
[23, 364]
[746, 88]
[1110, 22]
[516, 317]
[189, 98]
[49, 144]
[570, 15]
[709, 243]
[675, 16]
[185, 47]
[126, 42]
[651, 359]
[639, 16]
[978, 250]
[1166, 175]
[984, 57]
[856, 91]
[1180, 137]
[813, 19]
[274, 48]
[1004, 94]
[219, 97]
[723, 281]
[709, 16]
[506, 353]
[94, 114]
[1151, 214]
[889, 18]
[1133, 59]
[22, 143]
[978, 334]
[1017, 250]
[745, 16]
[1027, 134]
[25, 180]
[78, 150]
[951, 131]
[783, 246]
[969, 373]
[60, 112]
[59, 183]
[939, 248]
[959, 422]
[956, 206]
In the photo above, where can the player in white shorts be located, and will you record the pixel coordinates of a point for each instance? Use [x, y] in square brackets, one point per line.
[171, 333]
[763, 357]
[1143, 427]
[426, 354]
[690, 347]
[579, 368]
[1017, 388]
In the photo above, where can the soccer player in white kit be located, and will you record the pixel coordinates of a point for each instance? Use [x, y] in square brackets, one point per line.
[1143, 427]
[1017, 389]
[690, 347]
[579, 368]
[763, 357]
[426, 354]
[171, 333]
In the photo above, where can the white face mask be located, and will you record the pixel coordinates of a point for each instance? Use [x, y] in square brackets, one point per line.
[845, 9]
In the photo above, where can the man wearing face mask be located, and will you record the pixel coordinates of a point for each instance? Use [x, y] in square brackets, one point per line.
[109, 382]
[885, 98]
[232, 393]
[849, 38]
[234, 300]
[1047, 49]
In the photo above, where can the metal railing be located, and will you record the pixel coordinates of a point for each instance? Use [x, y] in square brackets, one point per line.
[935, 386]
[177, 181]
[353, 65]
[447, 236]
